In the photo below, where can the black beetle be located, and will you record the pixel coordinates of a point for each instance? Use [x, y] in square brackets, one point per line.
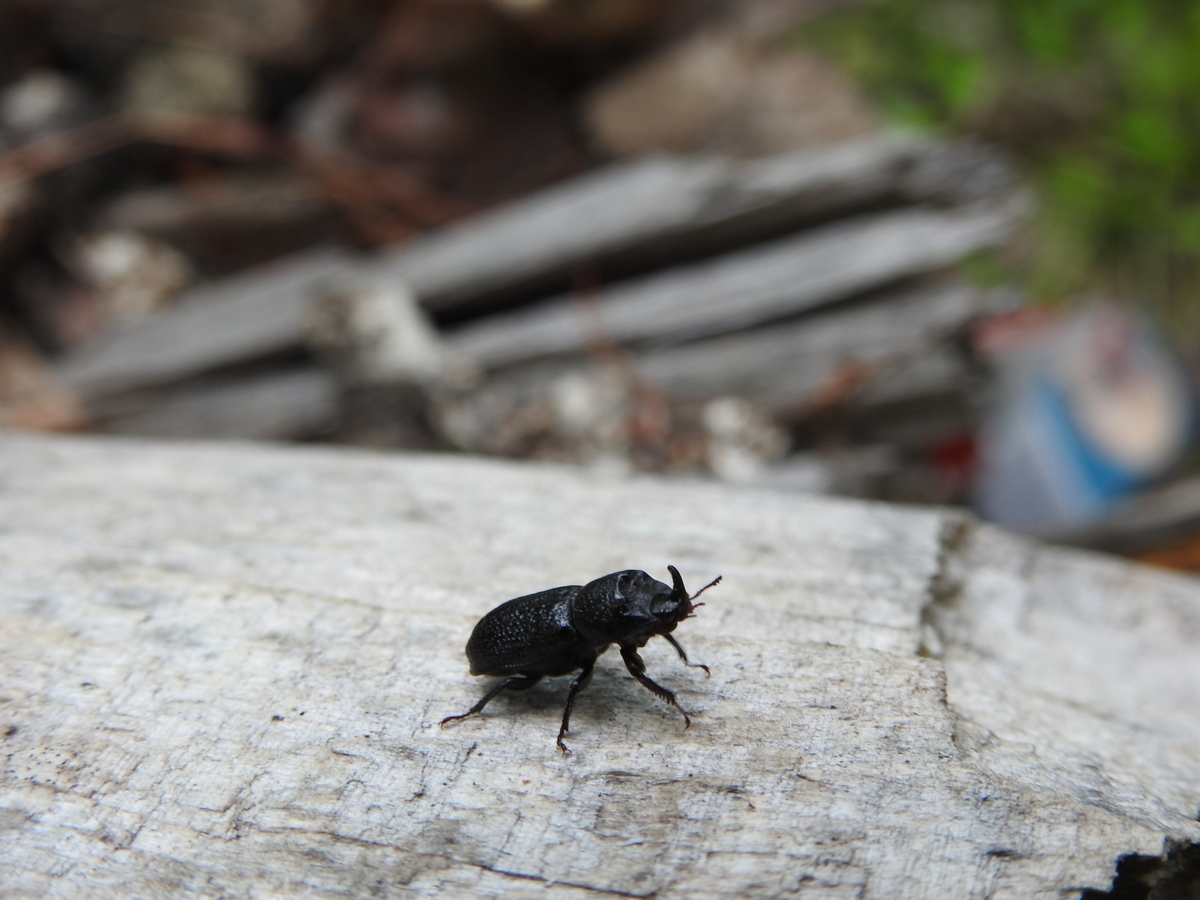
[557, 631]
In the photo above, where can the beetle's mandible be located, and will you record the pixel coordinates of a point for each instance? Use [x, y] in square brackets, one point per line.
[557, 631]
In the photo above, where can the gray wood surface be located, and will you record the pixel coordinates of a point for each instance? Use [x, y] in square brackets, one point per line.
[222, 667]
[749, 287]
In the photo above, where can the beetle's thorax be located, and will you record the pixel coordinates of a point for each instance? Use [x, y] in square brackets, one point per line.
[626, 607]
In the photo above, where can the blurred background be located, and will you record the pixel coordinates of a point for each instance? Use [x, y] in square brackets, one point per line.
[928, 252]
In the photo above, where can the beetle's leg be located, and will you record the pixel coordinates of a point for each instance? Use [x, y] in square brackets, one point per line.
[637, 669]
[512, 683]
[683, 655]
[581, 681]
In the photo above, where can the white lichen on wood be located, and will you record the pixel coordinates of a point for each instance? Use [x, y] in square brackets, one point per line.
[221, 669]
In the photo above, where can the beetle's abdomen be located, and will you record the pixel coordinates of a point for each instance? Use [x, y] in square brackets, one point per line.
[530, 634]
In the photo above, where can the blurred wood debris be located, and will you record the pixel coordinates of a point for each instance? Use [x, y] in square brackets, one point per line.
[760, 280]
[637, 234]
[722, 91]
[30, 396]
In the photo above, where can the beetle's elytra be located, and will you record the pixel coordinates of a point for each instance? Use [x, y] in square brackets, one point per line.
[558, 631]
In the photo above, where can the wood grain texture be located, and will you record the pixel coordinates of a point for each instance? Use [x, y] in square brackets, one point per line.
[221, 669]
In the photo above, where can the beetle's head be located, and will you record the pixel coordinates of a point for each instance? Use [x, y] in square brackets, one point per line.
[631, 605]
[663, 607]
[678, 604]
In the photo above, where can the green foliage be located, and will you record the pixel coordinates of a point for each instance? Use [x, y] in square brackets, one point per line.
[1099, 98]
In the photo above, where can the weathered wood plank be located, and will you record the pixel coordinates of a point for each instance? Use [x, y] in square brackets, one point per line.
[880, 354]
[222, 667]
[643, 213]
[298, 402]
[897, 339]
[644, 208]
[740, 289]
[242, 319]
[1052, 656]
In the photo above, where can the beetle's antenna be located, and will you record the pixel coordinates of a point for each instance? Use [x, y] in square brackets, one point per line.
[681, 591]
[715, 581]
